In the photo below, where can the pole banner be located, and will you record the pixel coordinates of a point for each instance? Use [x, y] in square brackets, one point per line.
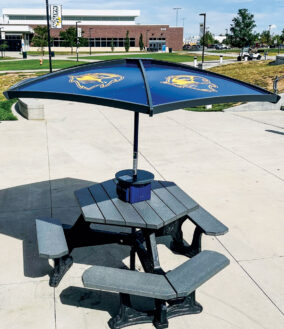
[56, 16]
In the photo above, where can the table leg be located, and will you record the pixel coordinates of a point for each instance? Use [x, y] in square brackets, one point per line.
[148, 256]
[132, 252]
[178, 244]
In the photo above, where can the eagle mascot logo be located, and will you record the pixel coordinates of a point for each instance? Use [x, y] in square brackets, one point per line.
[191, 81]
[89, 81]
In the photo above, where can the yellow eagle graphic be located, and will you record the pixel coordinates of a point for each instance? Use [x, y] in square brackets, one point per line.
[89, 81]
[191, 81]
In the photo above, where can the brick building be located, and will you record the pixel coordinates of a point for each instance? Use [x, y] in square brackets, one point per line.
[99, 27]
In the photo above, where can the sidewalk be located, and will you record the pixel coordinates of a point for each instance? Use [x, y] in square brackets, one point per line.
[230, 163]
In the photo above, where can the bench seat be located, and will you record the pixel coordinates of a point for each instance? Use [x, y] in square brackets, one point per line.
[208, 223]
[51, 239]
[128, 282]
[179, 282]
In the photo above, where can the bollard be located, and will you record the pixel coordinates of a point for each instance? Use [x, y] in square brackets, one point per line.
[195, 61]
[265, 56]
[40, 61]
[221, 59]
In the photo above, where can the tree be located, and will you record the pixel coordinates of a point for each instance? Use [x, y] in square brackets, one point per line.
[141, 43]
[127, 42]
[69, 37]
[208, 39]
[112, 45]
[3, 47]
[242, 33]
[282, 36]
[40, 38]
[265, 37]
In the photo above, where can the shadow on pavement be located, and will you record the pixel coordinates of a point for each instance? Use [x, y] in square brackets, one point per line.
[275, 132]
[21, 205]
[101, 300]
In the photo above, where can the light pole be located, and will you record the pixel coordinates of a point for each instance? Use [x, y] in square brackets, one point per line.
[176, 9]
[90, 29]
[204, 29]
[183, 19]
[77, 40]
[48, 35]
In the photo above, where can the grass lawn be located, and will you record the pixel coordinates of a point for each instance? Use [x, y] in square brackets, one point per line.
[233, 50]
[6, 58]
[5, 110]
[258, 73]
[6, 81]
[174, 57]
[33, 64]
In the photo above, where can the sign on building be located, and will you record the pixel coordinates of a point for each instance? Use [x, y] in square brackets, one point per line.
[56, 16]
[3, 36]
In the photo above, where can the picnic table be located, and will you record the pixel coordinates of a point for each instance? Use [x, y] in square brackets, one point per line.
[138, 226]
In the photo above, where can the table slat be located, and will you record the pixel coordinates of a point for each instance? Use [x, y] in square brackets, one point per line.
[106, 206]
[168, 198]
[186, 200]
[130, 215]
[161, 209]
[89, 208]
[152, 219]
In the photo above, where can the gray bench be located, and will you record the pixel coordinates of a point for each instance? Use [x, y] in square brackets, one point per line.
[52, 245]
[177, 287]
[209, 224]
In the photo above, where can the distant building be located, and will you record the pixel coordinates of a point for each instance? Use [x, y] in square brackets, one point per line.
[100, 27]
[220, 38]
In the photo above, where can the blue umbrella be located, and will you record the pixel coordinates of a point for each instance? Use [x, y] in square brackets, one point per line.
[140, 85]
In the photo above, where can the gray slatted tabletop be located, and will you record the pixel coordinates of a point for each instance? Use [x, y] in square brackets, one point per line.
[100, 204]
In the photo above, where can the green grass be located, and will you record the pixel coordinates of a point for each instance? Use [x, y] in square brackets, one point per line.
[233, 50]
[33, 64]
[5, 110]
[215, 108]
[6, 58]
[174, 57]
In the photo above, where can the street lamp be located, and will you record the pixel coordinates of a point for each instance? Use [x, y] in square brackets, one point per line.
[77, 39]
[90, 29]
[48, 35]
[176, 9]
[203, 47]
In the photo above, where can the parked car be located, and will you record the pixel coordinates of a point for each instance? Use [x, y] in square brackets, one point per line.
[249, 54]
[186, 47]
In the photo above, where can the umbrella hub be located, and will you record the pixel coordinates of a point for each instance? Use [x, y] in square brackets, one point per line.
[134, 188]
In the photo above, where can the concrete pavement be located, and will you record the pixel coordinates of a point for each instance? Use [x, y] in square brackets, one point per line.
[230, 163]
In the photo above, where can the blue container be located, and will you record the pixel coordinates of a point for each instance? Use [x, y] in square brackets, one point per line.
[134, 193]
[134, 190]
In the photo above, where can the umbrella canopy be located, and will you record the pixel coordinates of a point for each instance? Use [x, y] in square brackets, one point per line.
[141, 85]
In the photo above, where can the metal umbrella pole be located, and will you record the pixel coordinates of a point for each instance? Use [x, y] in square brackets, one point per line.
[135, 145]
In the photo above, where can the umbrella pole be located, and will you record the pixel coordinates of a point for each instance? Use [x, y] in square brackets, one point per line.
[135, 145]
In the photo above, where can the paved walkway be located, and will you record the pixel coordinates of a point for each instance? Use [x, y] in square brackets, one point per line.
[232, 164]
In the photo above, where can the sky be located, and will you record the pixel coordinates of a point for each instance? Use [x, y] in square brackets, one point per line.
[219, 12]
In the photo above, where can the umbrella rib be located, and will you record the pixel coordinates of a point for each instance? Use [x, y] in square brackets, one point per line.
[149, 96]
